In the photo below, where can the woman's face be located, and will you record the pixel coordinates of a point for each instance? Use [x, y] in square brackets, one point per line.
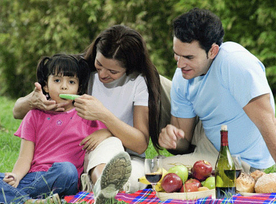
[108, 69]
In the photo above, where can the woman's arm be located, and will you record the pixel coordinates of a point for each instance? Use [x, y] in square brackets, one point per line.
[134, 138]
[36, 99]
[22, 165]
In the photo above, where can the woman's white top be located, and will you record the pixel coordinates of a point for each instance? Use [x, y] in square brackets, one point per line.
[121, 95]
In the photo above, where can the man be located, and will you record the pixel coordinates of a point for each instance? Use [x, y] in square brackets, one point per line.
[220, 83]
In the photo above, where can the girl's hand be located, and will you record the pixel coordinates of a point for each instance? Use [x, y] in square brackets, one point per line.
[11, 179]
[92, 141]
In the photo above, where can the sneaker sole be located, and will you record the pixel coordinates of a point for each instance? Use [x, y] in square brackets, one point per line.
[115, 174]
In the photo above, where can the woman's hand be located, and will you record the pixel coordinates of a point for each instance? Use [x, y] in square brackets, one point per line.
[39, 101]
[35, 100]
[11, 179]
[90, 108]
[92, 141]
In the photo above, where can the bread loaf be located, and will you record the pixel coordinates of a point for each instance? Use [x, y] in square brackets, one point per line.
[266, 183]
[257, 174]
[245, 183]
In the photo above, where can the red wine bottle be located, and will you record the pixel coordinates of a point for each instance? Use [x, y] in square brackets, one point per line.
[225, 172]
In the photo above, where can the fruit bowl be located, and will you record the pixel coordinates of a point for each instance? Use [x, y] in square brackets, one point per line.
[186, 195]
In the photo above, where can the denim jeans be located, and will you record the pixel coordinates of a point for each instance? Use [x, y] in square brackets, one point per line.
[61, 178]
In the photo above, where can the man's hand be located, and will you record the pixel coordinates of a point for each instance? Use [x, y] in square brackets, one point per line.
[169, 136]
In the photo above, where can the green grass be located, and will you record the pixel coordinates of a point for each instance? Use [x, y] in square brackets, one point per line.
[9, 144]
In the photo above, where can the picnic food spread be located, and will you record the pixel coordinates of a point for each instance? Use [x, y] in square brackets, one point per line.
[184, 179]
[245, 183]
[266, 183]
[256, 182]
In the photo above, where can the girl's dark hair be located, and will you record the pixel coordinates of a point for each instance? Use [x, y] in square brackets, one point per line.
[65, 65]
[127, 46]
[200, 25]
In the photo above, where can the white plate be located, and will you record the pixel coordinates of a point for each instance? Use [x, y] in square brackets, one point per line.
[186, 195]
[248, 194]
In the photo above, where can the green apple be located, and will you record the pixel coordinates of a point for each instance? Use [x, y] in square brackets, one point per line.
[181, 171]
[209, 182]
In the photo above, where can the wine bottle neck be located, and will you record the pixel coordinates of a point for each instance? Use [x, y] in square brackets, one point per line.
[224, 138]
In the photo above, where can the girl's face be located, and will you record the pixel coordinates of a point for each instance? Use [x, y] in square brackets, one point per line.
[59, 84]
[108, 69]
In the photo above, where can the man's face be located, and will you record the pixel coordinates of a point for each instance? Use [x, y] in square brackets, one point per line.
[191, 58]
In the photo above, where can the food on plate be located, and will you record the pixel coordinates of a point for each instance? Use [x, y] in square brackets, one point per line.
[180, 178]
[245, 183]
[203, 188]
[210, 182]
[257, 174]
[181, 171]
[191, 185]
[171, 183]
[201, 170]
[266, 183]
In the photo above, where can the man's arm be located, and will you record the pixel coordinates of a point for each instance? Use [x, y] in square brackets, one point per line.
[177, 137]
[259, 110]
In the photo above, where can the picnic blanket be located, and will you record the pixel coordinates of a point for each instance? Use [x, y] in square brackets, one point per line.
[148, 196]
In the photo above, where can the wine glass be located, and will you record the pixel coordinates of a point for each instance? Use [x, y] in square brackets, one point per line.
[238, 164]
[153, 170]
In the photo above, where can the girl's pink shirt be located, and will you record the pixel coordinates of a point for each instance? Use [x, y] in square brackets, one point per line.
[56, 137]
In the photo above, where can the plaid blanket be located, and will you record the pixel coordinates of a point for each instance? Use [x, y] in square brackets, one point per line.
[148, 196]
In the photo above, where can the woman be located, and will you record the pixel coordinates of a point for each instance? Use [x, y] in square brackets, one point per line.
[125, 88]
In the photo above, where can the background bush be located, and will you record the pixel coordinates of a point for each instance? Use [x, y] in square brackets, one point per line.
[30, 29]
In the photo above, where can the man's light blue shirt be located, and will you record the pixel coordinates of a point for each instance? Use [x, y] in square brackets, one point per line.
[234, 78]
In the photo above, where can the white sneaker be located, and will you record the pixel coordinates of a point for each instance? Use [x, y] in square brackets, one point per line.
[86, 184]
[115, 174]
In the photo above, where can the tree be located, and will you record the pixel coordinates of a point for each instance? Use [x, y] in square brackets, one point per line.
[30, 29]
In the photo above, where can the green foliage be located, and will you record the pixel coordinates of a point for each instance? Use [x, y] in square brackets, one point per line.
[30, 29]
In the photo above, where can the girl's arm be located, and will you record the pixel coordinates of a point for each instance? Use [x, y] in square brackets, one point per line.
[23, 163]
[134, 138]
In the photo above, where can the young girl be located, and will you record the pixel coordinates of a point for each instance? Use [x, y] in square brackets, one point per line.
[51, 159]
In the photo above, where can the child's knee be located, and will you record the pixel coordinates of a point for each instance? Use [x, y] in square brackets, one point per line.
[67, 169]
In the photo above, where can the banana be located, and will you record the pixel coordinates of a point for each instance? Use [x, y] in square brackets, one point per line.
[143, 180]
[158, 186]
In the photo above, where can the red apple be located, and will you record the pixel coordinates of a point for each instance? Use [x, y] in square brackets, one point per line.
[201, 170]
[171, 183]
[191, 185]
